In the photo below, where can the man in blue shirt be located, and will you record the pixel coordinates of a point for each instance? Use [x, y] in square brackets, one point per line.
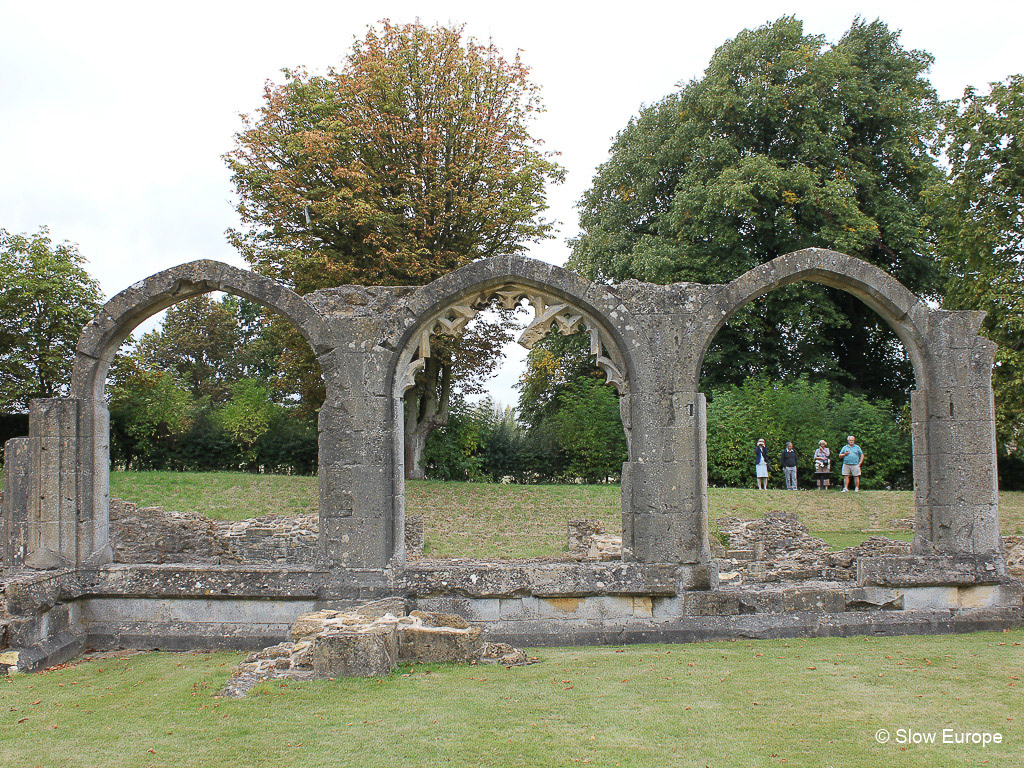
[852, 457]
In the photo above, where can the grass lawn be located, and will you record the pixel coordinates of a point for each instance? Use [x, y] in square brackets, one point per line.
[815, 702]
[220, 495]
[491, 520]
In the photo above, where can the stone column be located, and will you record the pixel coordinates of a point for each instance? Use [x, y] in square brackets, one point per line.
[956, 489]
[14, 520]
[68, 497]
[956, 493]
[94, 483]
[356, 477]
[53, 484]
[665, 486]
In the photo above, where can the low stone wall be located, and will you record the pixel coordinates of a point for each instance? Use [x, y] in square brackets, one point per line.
[588, 540]
[154, 535]
[271, 539]
[778, 547]
[775, 548]
[414, 537]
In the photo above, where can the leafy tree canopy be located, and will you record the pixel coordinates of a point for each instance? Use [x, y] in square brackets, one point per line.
[979, 220]
[211, 343]
[786, 142]
[46, 298]
[411, 159]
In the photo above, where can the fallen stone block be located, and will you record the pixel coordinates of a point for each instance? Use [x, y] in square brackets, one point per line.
[502, 653]
[441, 620]
[310, 624]
[378, 609]
[366, 652]
[438, 644]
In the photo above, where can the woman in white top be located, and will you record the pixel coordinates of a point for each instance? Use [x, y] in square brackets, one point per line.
[822, 465]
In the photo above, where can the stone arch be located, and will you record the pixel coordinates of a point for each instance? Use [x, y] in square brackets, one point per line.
[955, 492]
[115, 321]
[560, 299]
[903, 311]
[85, 413]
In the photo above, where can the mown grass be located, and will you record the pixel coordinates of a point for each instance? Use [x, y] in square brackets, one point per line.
[220, 495]
[815, 702]
[516, 521]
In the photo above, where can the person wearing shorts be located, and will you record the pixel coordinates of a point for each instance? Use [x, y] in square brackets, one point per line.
[852, 457]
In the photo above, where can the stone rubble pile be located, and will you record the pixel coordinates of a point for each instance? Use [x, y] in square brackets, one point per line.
[777, 534]
[1014, 555]
[367, 641]
[777, 547]
[589, 541]
[154, 535]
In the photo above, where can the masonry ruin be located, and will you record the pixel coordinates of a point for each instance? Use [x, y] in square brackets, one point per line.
[65, 587]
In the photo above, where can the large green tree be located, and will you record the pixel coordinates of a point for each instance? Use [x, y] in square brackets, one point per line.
[46, 298]
[412, 158]
[211, 343]
[979, 221]
[786, 142]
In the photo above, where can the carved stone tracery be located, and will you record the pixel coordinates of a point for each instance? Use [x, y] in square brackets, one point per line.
[549, 311]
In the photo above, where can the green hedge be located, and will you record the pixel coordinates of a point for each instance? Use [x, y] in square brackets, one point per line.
[804, 412]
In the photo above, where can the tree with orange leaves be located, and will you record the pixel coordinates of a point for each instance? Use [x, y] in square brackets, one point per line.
[411, 159]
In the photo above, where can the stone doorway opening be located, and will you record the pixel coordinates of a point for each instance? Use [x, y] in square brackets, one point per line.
[529, 483]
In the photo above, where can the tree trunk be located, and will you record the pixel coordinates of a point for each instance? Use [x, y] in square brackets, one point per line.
[414, 442]
[426, 408]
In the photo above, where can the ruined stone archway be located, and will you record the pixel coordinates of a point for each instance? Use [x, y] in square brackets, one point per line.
[557, 301]
[71, 518]
[116, 320]
[651, 340]
[956, 496]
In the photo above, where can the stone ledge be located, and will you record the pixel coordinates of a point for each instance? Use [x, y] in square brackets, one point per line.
[475, 578]
[28, 592]
[755, 627]
[230, 581]
[57, 649]
[930, 570]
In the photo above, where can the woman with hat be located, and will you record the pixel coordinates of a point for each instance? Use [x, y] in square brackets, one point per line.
[761, 465]
[822, 465]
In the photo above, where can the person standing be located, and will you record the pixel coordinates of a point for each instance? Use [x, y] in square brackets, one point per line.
[852, 457]
[822, 465]
[761, 465]
[788, 462]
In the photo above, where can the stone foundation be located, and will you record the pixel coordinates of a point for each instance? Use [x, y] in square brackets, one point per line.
[154, 535]
[774, 548]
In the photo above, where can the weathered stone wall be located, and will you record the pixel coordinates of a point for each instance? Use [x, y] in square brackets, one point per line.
[650, 340]
[154, 535]
[14, 503]
[775, 548]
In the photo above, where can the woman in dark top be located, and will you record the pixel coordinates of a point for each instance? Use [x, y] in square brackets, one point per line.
[761, 465]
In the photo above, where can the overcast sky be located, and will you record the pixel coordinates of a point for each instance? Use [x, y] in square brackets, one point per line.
[115, 115]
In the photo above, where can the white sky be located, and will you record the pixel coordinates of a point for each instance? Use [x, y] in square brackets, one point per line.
[113, 116]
